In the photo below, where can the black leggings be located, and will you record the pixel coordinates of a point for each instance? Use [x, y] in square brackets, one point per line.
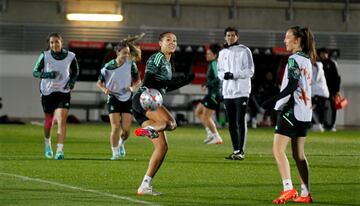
[236, 110]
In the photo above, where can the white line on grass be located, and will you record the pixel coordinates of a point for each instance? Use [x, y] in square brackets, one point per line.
[77, 188]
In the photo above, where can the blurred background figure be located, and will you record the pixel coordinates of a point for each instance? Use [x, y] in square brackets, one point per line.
[210, 103]
[268, 88]
[333, 81]
[319, 96]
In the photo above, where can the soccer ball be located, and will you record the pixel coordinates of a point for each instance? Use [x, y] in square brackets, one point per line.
[151, 99]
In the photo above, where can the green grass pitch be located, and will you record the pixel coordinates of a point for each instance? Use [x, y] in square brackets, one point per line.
[192, 174]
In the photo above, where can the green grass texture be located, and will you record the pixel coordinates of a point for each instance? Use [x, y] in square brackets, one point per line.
[192, 174]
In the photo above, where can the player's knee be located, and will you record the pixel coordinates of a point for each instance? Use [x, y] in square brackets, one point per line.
[115, 128]
[125, 134]
[171, 125]
[298, 158]
[276, 152]
[48, 122]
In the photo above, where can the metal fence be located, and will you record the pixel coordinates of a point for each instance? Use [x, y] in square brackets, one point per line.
[31, 37]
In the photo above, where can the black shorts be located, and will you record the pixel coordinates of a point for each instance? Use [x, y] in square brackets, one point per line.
[289, 126]
[138, 111]
[116, 106]
[55, 100]
[211, 101]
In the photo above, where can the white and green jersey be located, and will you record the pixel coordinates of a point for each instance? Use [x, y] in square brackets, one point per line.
[61, 66]
[299, 67]
[119, 78]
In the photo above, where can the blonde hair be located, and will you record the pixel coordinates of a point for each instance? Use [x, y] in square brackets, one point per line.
[130, 42]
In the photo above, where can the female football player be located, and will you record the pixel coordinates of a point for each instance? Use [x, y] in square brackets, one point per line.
[158, 75]
[206, 108]
[118, 79]
[295, 110]
[58, 69]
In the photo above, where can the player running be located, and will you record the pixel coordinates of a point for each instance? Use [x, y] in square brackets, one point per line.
[206, 108]
[118, 79]
[58, 69]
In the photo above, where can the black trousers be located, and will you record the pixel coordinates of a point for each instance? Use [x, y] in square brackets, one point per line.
[236, 112]
[333, 109]
[319, 109]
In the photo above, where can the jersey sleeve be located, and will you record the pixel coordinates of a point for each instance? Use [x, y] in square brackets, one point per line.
[135, 72]
[213, 79]
[74, 70]
[293, 69]
[220, 65]
[247, 65]
[101, 77]
[154, 62]
[39, 66]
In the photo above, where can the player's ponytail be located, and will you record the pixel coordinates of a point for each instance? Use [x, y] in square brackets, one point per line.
[131, 42]
[307, 41]
[309, 44]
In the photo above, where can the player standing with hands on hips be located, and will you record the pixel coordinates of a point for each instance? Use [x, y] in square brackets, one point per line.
[294, 107]
[58, 69]
[236, 67]
[158, 75]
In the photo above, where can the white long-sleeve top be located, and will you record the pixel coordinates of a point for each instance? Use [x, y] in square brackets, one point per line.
[318, 83]
[299, 67]
[238, 60]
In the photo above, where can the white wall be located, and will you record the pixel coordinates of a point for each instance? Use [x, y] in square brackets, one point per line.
[21, 97]
[20, 90]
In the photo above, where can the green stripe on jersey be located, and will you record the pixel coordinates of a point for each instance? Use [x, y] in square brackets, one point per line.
[157, 58]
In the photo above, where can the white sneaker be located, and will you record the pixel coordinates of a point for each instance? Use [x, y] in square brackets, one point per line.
[208, 139]
[317, 128]
[253, 123]
[115, 157]
[215, 140]
[147, 191]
